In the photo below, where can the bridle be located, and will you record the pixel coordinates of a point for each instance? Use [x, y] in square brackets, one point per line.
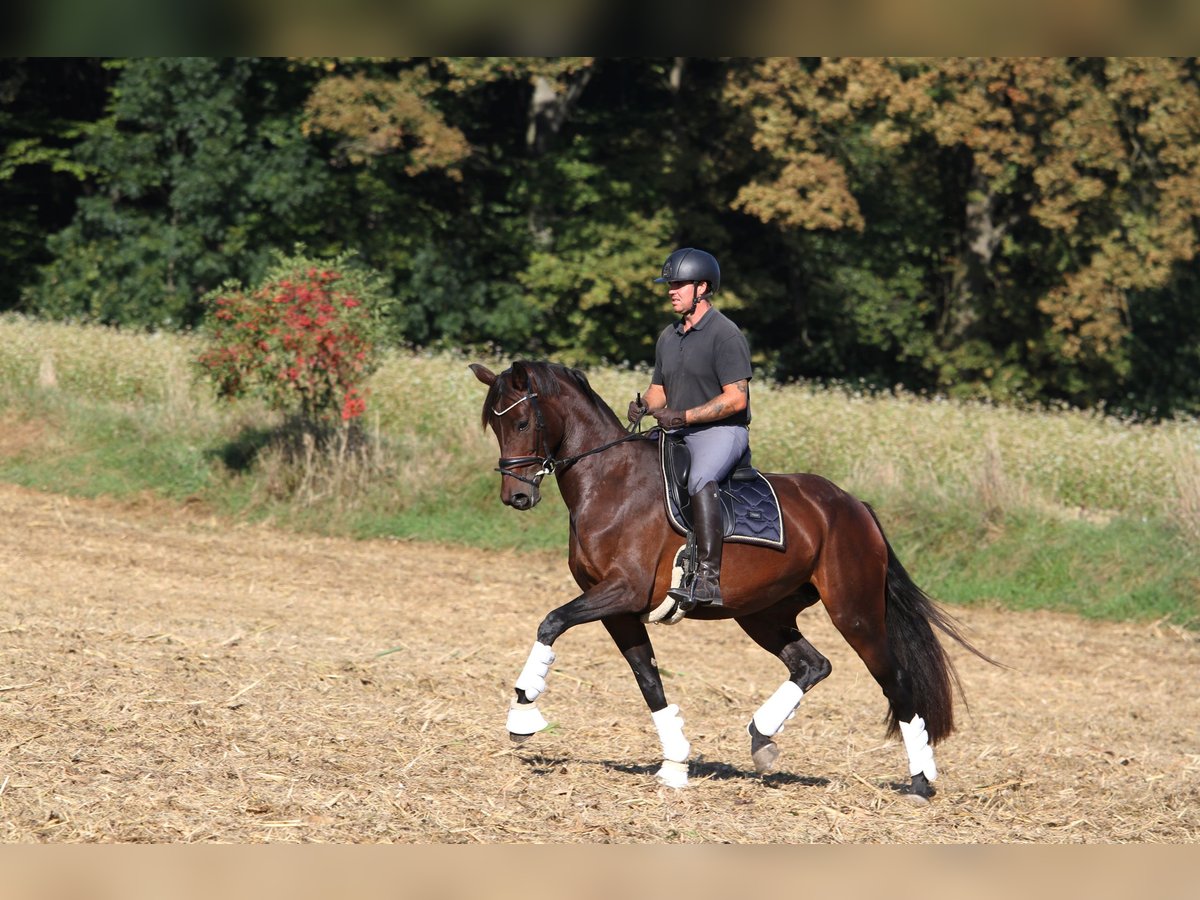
[548, 465]
[507, 463]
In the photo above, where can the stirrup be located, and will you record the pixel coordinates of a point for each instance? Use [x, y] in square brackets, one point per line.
[687, 598]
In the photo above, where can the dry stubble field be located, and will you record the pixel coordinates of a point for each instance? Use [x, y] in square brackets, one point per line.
[170, 678]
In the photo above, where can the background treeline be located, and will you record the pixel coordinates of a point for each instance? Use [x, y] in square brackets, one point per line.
[994, 227]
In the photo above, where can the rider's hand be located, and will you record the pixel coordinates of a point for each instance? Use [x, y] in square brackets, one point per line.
[670, 418]
[637, 409]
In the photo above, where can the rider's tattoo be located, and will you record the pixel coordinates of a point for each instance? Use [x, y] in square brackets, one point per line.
[717, 408]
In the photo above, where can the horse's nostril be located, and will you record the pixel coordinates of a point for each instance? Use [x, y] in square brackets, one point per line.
[520, 501]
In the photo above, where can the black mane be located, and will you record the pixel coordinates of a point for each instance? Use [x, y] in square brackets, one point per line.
[547, 380]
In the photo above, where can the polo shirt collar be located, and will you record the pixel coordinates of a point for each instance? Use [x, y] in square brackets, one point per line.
[703, 321]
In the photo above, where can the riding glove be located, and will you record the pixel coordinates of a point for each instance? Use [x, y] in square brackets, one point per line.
[637, 409]
[670, 418]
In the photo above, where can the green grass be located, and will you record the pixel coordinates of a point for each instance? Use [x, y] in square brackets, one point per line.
[468, 515]
[97, 448]
[1031, 509]
[1124, 570]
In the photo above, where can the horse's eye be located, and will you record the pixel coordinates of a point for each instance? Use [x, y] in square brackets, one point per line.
[523, 425]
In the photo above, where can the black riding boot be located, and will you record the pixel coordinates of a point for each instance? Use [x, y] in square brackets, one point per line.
[710, 536]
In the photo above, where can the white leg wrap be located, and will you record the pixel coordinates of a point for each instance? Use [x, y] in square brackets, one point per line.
[916, 743]
[670, 731]
[524, 718]
[780, 707]
[532, 679]
[673, 774]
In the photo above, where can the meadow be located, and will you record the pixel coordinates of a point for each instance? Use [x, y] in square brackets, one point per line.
[1016, 507]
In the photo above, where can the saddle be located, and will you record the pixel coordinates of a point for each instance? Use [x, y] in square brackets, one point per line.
[749, 507]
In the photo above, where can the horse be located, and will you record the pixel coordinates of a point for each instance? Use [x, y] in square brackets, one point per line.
[547, 419]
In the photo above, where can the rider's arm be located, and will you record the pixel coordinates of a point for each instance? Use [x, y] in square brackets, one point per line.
[655, 397]
[732, 399]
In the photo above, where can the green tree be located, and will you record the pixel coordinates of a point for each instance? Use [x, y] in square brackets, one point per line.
[532, 207]
[200, 171]
[595, 185]
[981, 226]
[423, 180]
[43, 104]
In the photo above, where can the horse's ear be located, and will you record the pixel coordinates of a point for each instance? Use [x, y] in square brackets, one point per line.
[520, 376]
[487, 376]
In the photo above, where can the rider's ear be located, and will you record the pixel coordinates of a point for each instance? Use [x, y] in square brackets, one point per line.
[520, 376]
[487, 376]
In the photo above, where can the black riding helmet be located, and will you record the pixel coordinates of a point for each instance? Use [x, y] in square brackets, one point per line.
[690, 264]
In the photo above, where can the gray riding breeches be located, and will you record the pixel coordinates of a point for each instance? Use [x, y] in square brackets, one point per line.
[715, 451]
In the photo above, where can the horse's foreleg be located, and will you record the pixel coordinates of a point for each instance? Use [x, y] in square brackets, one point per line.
[631, 638]
[524, 718]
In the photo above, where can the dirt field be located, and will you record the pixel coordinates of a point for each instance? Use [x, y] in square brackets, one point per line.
[169, 678]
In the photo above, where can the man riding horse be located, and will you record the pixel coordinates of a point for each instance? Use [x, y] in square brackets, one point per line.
[700, 391]
[548, 420]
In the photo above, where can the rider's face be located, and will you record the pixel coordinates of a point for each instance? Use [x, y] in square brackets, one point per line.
[682, 293]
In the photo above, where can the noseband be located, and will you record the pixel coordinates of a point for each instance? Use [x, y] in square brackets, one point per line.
[548, 464]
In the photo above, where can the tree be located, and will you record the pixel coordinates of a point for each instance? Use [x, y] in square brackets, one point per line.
[983, 226]
[200, 170]
[43, 104]
[1069, 188]
[304, 340]
[534, 195]
[419, 168]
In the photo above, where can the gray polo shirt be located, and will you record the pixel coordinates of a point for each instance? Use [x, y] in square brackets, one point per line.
[694, 366]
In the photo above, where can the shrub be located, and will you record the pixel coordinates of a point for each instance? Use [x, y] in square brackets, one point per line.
[305, 340]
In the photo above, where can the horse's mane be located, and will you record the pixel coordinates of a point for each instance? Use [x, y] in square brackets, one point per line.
[547, 380]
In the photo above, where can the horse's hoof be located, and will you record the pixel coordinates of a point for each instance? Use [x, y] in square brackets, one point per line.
[524, 721]
[763, 750]
[766, 758]
[919, 792]
[673, 774]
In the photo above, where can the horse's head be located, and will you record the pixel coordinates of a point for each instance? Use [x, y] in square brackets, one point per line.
[527, 431]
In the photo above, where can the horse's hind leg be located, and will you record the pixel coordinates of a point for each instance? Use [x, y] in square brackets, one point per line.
[854, 597]
[774, 629]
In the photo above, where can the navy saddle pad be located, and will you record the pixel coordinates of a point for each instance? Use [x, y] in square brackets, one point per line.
[750, 507]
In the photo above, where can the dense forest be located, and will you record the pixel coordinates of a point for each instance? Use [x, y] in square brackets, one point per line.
[1010, 228]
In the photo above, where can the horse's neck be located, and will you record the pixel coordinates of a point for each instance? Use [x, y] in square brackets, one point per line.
[625, 468]
[585, 426]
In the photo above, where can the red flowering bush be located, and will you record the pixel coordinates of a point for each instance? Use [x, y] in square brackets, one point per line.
[304, 340]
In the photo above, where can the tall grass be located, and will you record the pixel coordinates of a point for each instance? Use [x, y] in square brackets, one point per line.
[1059, 508]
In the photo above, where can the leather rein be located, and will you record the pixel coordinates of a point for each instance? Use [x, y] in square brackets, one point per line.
[548, 465]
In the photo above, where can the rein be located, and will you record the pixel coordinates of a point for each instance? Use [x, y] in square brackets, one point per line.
[548, 464]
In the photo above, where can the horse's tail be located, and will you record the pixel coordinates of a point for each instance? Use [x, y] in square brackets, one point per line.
[910, 618]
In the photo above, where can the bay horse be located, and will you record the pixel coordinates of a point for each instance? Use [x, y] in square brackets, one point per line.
[548, 420]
